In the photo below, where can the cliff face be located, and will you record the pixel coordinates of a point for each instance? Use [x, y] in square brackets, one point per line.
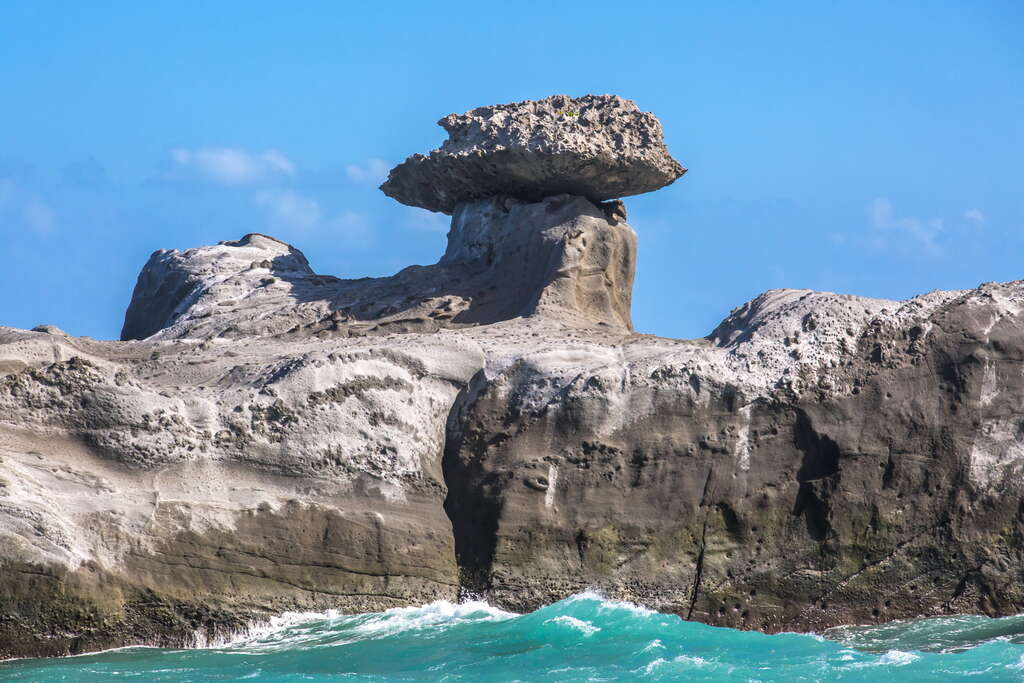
[266, 449]
[826, 460]
[283, 440]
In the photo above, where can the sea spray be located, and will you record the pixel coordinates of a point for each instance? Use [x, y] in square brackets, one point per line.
[582, 638]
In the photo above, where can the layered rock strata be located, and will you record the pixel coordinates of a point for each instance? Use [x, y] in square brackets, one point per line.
[269, 439]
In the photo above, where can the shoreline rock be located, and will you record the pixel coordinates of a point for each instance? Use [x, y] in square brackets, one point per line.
[282, 440]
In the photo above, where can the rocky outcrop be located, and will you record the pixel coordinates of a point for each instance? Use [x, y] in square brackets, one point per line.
[563, 256]
[284, 440]
[818, 460]
[596, 146]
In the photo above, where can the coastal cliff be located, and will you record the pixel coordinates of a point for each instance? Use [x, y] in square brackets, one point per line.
[265, 438]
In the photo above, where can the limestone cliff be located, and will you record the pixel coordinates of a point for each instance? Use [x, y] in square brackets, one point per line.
[266, 439]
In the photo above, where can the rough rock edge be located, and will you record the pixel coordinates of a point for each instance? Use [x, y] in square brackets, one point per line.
[598, 146]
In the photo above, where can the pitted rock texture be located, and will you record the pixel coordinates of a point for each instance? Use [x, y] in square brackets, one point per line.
[492, 424]
[819, 460]
[596, 146]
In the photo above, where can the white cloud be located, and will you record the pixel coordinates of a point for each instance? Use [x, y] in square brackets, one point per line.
[352, 226]
[975, 216]
[883, 218]
[373, 173]
[228, 166]
[289, 208]
[421, 219]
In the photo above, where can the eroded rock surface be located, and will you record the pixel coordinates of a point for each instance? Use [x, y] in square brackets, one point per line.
[564, 256]
[596, 146]
[269, 439]
[818, 459]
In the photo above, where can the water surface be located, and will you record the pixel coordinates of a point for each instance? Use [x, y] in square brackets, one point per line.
[582, 638]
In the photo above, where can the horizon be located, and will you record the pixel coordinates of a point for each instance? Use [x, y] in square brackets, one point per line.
[881, 159]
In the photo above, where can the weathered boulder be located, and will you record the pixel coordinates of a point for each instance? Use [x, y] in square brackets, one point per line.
[596, 146]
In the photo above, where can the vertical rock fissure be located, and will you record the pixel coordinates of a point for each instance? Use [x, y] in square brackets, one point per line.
[699, 566]
[472, 512]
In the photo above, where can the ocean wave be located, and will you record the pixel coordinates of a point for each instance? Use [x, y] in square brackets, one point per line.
[947, 635]
[584, 627]
[584, 637]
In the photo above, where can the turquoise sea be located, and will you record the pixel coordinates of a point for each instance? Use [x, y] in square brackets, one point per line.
[582, 638]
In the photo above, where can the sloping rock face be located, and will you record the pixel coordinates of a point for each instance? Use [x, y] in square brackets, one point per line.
[157, 492]
[596, 146]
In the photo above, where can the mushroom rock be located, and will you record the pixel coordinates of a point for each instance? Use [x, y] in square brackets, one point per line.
[491, 424]
[597, 146]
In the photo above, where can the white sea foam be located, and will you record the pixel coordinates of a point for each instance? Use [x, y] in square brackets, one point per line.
[899, 658]
[584, 627]
[439, 613]
[891, 658]
[653, 645]
[687, 662]
[312, 629]
[606, 604]
[653, 665]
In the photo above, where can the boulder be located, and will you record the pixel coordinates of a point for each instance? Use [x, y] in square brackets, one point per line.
[596, 146]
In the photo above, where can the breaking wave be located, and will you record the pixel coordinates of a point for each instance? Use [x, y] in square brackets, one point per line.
[582, 638]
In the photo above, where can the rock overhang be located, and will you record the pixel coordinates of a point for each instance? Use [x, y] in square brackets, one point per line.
[596, 146]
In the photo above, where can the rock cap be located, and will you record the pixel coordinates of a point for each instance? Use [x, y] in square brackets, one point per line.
[596, 146]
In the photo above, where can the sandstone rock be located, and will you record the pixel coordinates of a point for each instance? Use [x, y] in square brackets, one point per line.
[818, 459]
[562, 257]
[596, 146]
[268, 439]
[173, 283]
[875, 476]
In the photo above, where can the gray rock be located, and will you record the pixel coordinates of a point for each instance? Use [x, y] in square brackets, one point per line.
[596, 146]
[819, 460]
[563, 257]
[174, 283]
[492, 424]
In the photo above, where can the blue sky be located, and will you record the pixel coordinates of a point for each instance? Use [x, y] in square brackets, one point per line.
[872, 148]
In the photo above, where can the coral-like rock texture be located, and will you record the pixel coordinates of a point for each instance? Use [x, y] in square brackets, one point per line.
[597, 146]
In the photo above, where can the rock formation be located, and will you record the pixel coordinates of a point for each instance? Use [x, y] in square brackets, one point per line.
[267, 439]
[597, 146]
